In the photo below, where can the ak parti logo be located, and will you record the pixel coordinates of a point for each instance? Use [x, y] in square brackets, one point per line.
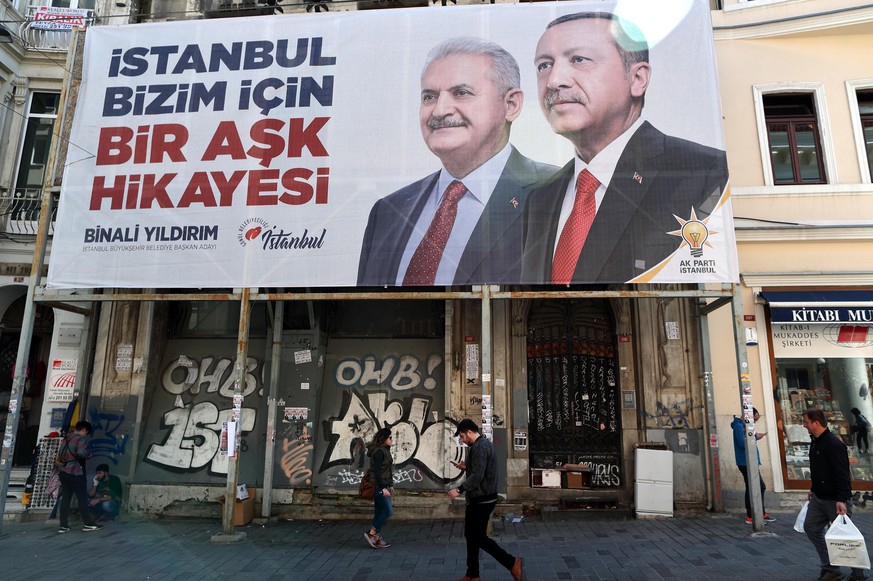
[251, 230]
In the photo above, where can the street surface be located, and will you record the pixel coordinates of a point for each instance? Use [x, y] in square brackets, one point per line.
[697, 547]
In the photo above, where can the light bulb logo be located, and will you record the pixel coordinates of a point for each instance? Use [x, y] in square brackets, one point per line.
[694, 233]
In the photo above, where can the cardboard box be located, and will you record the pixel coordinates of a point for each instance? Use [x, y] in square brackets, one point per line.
[578, 479]
[545, 478]
[243, 510]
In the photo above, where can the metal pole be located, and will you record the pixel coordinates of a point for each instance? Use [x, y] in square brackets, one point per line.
[242, 346]
[275, 366]
[710, 435]
[487, 404]
[754, 475]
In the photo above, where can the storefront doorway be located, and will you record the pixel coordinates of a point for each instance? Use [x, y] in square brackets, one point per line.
[573, 391]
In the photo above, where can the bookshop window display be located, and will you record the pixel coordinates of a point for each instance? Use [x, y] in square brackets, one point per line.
[820, 366]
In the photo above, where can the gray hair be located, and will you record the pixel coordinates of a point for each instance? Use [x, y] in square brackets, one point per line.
[504, 71]
[629, 39]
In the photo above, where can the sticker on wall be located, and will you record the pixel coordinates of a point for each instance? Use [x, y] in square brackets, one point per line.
[472, 367]
[304, 385]
[672, 330]
[296, 414]
[519, 440]
[304, 356]
[124, 357]
[628, 400]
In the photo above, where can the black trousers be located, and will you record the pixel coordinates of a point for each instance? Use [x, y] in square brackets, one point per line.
[70, 485]
[745, 471]
[476, 532]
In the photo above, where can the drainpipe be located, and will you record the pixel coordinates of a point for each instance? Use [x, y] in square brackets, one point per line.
[273, 394]
[710, 433]
[487, 404]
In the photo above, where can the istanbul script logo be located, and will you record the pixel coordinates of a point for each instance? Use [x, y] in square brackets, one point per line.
[267, 237]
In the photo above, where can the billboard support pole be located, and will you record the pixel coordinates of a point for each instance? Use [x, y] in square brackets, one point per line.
[242, 345]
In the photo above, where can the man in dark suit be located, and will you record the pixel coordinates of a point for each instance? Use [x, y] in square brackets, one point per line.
[606, 216]
[461, 225]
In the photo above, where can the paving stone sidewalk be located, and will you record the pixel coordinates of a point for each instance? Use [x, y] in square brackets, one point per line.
[700, 547]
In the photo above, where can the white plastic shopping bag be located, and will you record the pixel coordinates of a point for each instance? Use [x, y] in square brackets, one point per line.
[846, 545]
[801, 517]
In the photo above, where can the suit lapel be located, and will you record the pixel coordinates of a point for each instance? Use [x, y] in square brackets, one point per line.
[634, 174]
[504, 208]
[542, 229]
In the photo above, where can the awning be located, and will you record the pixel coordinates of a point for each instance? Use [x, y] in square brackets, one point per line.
[820, 306]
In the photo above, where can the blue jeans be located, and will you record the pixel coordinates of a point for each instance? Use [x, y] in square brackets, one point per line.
[382, 511]
[106, 508]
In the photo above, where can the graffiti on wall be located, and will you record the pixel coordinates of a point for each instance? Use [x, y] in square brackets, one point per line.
[108, 440]
[192, 430]
[399, 372]
[673, 414]
[397, 391]
[297, 454]
[417, 440]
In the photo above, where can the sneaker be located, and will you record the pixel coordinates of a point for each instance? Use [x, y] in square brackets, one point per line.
[830, 576]
[372, 539]
[748, 520]
[88, 528]
[768, 518]
[63, 530]
[382, 543]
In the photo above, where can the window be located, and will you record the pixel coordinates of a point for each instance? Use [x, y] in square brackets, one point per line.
[793, 136]
[865, 111]
[37, 142]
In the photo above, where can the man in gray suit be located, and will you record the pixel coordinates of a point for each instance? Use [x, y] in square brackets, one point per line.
[462, 224]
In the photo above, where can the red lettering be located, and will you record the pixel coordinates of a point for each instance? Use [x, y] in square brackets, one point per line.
[295, 181]
[300, 137]
[199, 191]
[225, 141]
[262, 180]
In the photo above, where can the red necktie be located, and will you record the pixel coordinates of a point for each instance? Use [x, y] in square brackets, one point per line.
[576, 229]
[423, 266]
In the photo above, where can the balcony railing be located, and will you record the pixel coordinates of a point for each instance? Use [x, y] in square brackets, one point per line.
[47, 28]
[20, 211]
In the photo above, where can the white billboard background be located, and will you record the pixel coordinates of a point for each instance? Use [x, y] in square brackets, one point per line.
[373, 139]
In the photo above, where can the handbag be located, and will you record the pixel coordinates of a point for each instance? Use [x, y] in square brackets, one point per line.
[801, 517]
[367, 489]
[846, 546]
[54, 485]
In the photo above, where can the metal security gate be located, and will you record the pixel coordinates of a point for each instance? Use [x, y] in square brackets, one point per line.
[573, 388]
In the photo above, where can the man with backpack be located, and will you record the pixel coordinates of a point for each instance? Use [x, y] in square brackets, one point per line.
[71, 471]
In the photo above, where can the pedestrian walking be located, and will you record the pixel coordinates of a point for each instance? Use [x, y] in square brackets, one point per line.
[381, 469]
[71, 472]
[480, 490]
[831, 491]
[860, 428]
[740, 456]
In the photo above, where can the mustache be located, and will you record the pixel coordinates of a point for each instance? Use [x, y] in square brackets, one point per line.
[559, 96]
[445, 122]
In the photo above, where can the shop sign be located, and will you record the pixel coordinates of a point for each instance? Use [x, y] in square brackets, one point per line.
[822, 315]
[817, 340]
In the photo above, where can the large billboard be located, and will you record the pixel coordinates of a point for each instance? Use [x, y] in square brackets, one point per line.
[546, 143]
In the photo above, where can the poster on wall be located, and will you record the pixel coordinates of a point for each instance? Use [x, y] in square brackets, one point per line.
[62, 380]
[400, 148]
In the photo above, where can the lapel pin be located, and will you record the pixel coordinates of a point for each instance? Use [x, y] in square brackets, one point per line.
[638, 178]
[514, 202]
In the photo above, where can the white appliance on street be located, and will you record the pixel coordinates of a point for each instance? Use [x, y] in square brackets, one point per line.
[653, 487]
